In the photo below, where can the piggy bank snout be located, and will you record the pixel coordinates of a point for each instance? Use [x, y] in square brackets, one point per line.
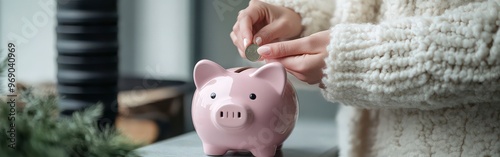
[231, 116]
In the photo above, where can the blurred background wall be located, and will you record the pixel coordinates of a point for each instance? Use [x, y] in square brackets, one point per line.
[154, 38]
[2, 47]
[160, 39]
[30, 25]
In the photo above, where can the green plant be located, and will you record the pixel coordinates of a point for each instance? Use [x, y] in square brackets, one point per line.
[39, 132]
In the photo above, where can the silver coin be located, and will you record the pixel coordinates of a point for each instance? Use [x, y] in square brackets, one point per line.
[251, 53]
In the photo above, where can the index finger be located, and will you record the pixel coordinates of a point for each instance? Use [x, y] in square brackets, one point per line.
[246, 20]
[286, 48]
[246, 31]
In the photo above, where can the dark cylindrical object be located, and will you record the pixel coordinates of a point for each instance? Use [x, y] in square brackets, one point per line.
[87, 45]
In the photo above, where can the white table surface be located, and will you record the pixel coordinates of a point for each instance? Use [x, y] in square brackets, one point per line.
[310, 138]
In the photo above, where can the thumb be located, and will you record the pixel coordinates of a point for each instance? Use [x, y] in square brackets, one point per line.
[285, 48]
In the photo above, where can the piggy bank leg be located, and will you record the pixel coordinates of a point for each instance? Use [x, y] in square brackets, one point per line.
[213, 150]
[268, 151]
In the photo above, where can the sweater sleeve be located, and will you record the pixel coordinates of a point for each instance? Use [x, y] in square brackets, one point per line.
[315, 14]
[417, 62]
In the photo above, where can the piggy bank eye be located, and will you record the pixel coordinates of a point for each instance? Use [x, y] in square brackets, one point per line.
[212, 95]
[253, 96]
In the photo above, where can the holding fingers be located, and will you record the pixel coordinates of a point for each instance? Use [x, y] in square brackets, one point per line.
[303, 57]
[263, 23]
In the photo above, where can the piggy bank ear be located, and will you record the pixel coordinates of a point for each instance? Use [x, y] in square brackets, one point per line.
[274, 73]
[206, 70]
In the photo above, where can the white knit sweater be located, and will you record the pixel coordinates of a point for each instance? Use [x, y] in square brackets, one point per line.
[416, 78]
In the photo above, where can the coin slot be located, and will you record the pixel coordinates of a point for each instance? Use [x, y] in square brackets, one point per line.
[239, 114]
[233, 114]
[227, 114]
[241, 69]
[221, 114]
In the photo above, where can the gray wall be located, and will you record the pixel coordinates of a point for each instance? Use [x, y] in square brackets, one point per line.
[30, 25]
[161, 39]
[216, 22]
[2, 50]
[154, 38]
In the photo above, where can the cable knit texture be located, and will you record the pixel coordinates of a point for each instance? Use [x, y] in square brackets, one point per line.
[315, 13]
[415, 78]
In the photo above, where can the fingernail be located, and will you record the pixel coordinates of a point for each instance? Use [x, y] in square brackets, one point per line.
[264, 50]
[245, 42]
[258, 40]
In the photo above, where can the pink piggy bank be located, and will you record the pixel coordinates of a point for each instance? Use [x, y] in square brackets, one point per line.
[243, 108]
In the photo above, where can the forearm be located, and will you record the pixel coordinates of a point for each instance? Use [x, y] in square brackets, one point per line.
[418, 62]
[315, 14]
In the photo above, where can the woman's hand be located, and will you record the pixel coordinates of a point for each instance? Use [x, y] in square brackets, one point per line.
[263, 23]
[303, 57]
